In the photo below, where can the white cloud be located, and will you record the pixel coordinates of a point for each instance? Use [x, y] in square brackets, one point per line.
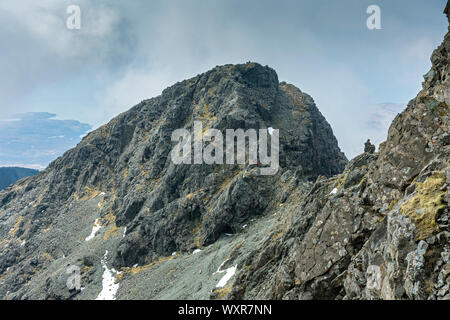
[45, 22]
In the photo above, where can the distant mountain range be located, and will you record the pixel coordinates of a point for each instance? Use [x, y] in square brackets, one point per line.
[35, 139]
[9, 175]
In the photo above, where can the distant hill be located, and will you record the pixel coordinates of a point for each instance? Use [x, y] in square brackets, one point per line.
[9, 175]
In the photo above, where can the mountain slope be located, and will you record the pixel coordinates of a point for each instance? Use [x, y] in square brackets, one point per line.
[120, 180]
[9, 175]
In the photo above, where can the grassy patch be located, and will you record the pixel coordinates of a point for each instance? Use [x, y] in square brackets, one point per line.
[113, 231]
[139, 269]
[16, 226]
[424, 207]
[90, 193]
[393, 203]
[222, 292]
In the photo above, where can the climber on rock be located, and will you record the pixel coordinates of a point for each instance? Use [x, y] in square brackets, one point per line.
[369, 147]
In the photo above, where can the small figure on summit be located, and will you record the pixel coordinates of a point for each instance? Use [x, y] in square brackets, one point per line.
[369, 147]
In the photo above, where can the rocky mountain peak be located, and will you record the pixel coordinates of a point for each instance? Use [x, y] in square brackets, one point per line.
[121, 179]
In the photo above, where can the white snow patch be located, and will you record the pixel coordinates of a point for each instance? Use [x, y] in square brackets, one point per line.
[196, 251]
[270, 130]
[244, 226]
[228, 274]
[229, 234]
[109, 287]
[334, 191]
[102, 193]
[174, 253]
[124, 232]
[95, 229]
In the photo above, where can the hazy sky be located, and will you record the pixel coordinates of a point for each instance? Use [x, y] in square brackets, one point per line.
[127, 51]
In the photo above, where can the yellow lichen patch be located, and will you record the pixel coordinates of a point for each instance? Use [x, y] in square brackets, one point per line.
[364, 179]
[16, 227]
[125, 173]
[197, 241]
[195, 232]
[38, 201]
[392, 204]
[423, 208]
[103, 132]
[3, 276]
[145, 172]
[236, 247]
[294, 94]
[170, 271]
[118, 277]
[113, 231]
[17, 187]
[101, 204]
[341, 180]
[47, 256]
[47, 229]
[280, 232]
[225, 184]
[90, 193]
[203, 110]
[197, 227]
[138, 269]
[222, 292]
[190, 196]
[85, 270]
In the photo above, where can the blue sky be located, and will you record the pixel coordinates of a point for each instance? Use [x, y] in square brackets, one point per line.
[127, 51]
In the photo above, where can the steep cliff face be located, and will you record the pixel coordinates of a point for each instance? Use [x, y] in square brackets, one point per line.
[380, 230]
[121, 182]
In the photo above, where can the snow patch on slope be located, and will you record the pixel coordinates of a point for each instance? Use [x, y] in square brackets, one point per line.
[109, 287]
[229, 273]
[97, 226]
